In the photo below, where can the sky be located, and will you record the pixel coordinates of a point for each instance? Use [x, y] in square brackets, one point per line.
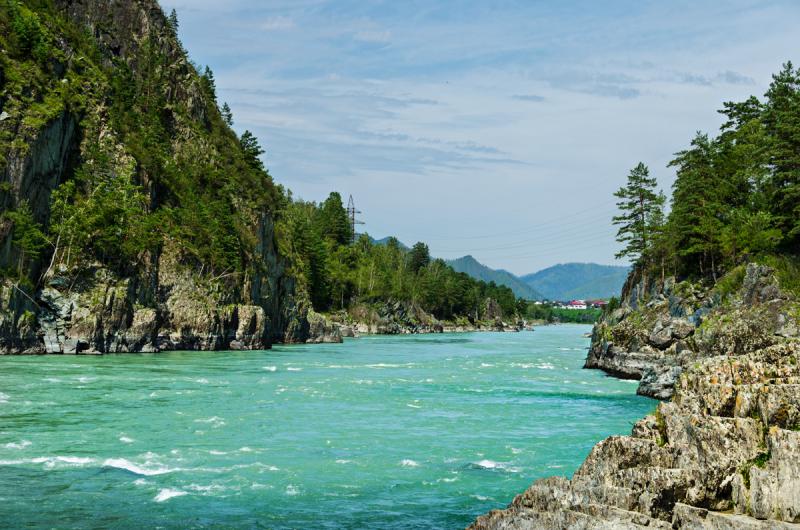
[497, 129]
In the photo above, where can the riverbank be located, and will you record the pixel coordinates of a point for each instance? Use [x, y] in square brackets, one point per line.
[724, 451]
[403, 318]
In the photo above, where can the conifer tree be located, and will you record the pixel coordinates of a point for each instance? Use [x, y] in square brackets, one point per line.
[173, 20]
[419, 257]
[782, 124]
[209, 83]
[227, 114]
[641, 209]
[252, 150]
[331, 220]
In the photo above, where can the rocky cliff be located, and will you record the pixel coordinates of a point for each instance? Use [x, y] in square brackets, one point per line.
[724, 451]
[66, 70]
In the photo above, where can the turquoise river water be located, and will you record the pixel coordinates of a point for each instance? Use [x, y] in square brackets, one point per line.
[379, 432]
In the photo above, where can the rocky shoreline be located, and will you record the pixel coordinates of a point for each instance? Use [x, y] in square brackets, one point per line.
[724, 451]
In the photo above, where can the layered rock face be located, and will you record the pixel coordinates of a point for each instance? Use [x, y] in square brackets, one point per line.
[654, 341]
[163, 302]
[724, 453]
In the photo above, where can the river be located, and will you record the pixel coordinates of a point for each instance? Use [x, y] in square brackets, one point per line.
[381, 432]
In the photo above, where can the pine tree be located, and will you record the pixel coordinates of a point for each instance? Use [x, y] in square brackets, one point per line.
[28, 237]
[782, 124]
[331, 220]
[419, 257]
[252, 150]
[641, 208]
[227, 115]
[173, 21]
[209, 83]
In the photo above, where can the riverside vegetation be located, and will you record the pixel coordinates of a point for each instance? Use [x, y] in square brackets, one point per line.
[709, 322]
[133, 218]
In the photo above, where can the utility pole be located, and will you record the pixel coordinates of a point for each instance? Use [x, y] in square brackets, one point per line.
[351, 214]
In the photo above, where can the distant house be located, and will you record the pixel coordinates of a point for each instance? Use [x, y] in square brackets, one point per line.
[599, 304]
[576, 304]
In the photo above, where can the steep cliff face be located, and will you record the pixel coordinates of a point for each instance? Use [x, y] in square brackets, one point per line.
[66, 73]
[654, 340]
[724, 451]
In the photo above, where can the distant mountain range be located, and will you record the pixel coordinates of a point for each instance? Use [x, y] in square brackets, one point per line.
[566, 281]
[560, 282]
[578, 280]
[479, 271]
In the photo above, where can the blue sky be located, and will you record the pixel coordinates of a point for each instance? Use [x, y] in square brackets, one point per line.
[497, 129]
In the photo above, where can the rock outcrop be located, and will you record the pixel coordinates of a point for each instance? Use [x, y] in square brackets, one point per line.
[402, 318]
[163, 301]
[724, 452]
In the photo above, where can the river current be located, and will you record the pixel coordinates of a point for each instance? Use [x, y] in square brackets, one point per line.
[423, 431]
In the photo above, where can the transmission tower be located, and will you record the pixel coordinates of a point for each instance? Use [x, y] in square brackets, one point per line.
[351, 214]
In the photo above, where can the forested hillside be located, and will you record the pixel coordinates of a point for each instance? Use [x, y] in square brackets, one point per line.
[736, 197]
[339, 273]
[133, 217]
[478, 270]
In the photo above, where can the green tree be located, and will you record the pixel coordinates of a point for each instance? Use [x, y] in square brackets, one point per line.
[209, 83]
[419, 257]
[172, 20]
[782, 123]
[331, 220]
[252, 151]
[641, 208]
[227, 114]
[27, 237]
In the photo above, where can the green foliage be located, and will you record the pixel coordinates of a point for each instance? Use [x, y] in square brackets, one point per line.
[787, 268]
[419, 257]
[759, 461]
[101, 214]
[736, 196]
[338, 274]
[613, 305]
[641, 214]
[331, 220]
[32, 37]
[172, 20]
[731, 282]
[227, 115]
[252, 150]
[27, 235]
[209, 84]
[781, 118]
[552, 314]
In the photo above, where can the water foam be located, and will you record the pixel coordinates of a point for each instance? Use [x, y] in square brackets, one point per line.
[18, 445]
[271, 368]
[215, 421]
[127, 465]
[292, 490]
[166, 494]
[407, 462]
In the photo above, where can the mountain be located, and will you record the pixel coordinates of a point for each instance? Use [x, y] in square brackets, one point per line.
[479, 271]
[385, 241]
[578, 280]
